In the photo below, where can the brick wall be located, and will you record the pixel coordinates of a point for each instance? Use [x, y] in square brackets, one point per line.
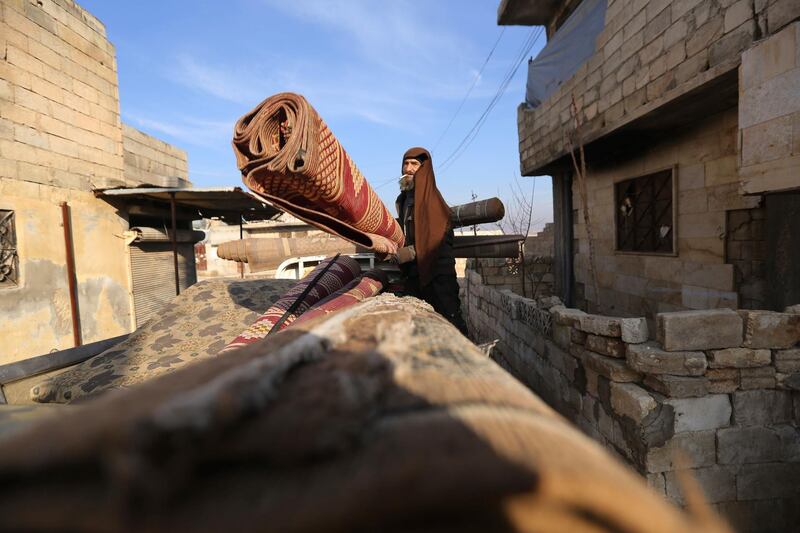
[649, 53]
[720, 387]
[59, 114]
[151, 161]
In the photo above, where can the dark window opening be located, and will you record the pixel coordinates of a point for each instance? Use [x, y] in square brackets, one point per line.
[9, 262]
[645, 221]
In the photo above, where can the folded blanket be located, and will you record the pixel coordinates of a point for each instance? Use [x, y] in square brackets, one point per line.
[341, 272]
[358, 290]
[287, 155]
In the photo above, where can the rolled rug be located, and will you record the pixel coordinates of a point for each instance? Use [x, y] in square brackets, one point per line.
[287, 155]
[358, 290]
[341, 272]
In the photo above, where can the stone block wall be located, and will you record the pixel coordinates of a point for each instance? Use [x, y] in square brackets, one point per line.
[697, 275]
[537, 271]
[151, 161]
[59, 98]
[61, 137]
[769, 113]
[649, 53]
[746, 250]
[716, 392]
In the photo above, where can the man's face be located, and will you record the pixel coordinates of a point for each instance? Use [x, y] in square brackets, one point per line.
[410, 166]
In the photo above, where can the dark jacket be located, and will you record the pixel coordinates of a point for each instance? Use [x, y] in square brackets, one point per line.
[445, 261]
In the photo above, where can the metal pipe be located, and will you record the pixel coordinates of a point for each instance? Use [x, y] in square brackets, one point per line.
[174, 241]
[71, 280]
[241, 237]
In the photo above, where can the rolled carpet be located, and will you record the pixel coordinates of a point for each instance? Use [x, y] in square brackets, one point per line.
[480, 212]
[341, 272]
[358, 290]
[287, 155]
[262, 254]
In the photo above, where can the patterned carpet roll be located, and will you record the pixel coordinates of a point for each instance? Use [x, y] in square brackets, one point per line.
[358, 290]
[342, 272]
[287, 154]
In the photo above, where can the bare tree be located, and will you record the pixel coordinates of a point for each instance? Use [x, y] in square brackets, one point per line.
[572, 141]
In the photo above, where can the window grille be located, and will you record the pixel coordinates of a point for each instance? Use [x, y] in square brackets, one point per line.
[644, 214]
[9, 263]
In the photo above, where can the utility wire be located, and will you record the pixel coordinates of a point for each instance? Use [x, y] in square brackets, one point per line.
[469, 91]
[473, 132]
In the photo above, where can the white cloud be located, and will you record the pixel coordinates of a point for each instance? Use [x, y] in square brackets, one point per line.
[188, 130]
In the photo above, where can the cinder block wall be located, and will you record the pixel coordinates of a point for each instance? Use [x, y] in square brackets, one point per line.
[769, 112]
[720, 387]
[509, 273]
[59, 120]
[151, 161]
[648, 53]
[707, 186]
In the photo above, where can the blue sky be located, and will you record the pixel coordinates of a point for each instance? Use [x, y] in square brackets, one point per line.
[385, 76]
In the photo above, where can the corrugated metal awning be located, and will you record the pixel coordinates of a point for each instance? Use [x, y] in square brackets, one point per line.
[226, 203]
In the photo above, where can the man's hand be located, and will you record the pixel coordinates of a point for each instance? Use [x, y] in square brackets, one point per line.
[406, 254]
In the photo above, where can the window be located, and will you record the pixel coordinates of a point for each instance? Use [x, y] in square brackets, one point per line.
[644, 214]
[9, 264]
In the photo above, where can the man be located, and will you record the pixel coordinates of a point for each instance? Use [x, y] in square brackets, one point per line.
[425, 218]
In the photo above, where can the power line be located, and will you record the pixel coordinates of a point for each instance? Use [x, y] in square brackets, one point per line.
[469, 91]
[473, 132]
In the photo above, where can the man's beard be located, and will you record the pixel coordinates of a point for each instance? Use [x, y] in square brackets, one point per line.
[406, 183]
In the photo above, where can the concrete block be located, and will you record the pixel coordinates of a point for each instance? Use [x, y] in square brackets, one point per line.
[577, 336]
[601, 325]
[677, 386]
[718, 484]
[605, 345]
[767, 141]
[632, 401]
[650, 359]
[592, 379]
[738, 358]
[696, 414]
[758, 444]
[737, 13]
[769, 58]
[767, 481]
[561, 335]
[757, 378]
[699, 330]
[787, 381]
[634, 330]
[769, 329]
[722, 380]
[762, 407]
[697, 449]
[613, 369]
[566, 316]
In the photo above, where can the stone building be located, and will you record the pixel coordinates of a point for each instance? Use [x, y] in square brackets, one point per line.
[687, 112]
[61, 139]
[689, 115]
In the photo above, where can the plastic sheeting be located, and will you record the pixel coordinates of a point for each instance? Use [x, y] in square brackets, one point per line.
[567, 50]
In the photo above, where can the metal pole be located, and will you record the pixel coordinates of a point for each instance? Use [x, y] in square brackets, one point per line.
[73, 289]
[174, 239]
[241, 236]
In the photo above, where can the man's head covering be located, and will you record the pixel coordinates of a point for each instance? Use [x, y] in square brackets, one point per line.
[431, 215]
